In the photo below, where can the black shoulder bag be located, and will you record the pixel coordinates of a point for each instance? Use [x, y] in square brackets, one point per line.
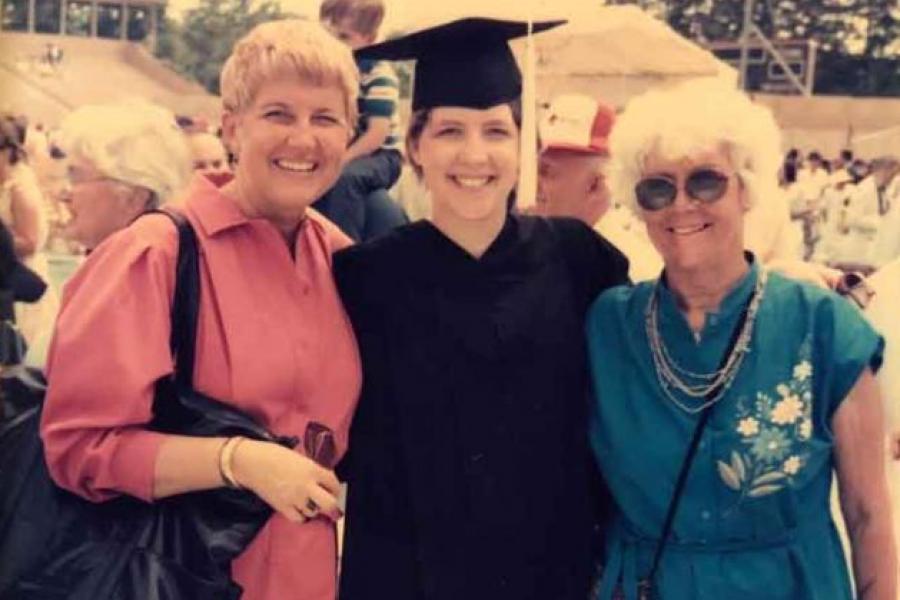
[55, 545]
[646, 585]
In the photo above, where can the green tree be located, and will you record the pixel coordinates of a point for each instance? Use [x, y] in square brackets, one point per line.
[857, 39]
[198, 46]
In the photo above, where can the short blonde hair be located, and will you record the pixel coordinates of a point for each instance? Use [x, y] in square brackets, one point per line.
[691, 117]
[134, 142]
[293, 46]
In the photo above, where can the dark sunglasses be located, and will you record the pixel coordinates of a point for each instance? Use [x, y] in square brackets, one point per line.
[659, 191]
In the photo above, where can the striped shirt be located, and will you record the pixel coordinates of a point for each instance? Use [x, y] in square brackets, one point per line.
[379, 95]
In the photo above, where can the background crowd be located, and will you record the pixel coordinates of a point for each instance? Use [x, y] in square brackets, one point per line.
[431, 326]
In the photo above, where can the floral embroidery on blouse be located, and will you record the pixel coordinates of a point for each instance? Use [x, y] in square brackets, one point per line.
[773, 431]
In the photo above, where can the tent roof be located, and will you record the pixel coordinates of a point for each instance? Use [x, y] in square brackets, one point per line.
[621, 40]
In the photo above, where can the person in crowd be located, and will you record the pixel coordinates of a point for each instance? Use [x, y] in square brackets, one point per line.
[806, 200]
[781, 372]
[574, 135]
[886, 185]
[120, 160]
[23, 211]
[208, 155]
[469, 472]
[373, 161]
[840, 169]
[881, 311]
[863, 235]
[788, 174]
[268, 305]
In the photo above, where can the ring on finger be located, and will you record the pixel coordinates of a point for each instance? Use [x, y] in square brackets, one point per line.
[312, 509]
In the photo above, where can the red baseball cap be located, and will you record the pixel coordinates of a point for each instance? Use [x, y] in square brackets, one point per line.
[577, 123]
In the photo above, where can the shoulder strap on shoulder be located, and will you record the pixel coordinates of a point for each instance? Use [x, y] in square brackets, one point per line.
[186, 299]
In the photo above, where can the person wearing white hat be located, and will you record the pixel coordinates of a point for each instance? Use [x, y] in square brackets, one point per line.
[574, 135]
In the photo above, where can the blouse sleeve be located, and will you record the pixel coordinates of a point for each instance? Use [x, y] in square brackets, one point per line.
[110, 346]
[847, 345]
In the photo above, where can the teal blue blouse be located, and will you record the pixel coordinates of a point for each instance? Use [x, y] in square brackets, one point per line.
[754, 520]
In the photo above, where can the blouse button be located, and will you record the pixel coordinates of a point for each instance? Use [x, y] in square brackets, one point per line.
[705, 515]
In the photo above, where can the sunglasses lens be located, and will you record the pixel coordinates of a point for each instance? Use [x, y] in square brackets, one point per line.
[654, 193]
[706, 185]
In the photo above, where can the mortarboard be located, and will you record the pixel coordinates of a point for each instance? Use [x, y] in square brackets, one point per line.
[465, 63]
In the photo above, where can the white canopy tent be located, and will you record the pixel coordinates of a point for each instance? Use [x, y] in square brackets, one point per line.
[617, 52]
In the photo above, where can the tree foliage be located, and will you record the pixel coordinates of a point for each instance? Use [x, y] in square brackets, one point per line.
[858, 40]
[198, 46]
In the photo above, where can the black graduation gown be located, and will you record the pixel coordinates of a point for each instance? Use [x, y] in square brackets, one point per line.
[469, 469]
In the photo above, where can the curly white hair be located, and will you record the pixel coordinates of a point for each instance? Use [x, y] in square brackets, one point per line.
[690, 118]
[134, 142]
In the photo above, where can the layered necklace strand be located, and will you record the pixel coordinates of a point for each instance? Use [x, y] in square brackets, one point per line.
[699, 385]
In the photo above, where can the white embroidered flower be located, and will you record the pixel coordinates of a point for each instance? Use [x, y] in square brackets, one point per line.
[748, 427]
[787, 411]
[802, 370]
[782, 390]
[792, 465]
[806, 429]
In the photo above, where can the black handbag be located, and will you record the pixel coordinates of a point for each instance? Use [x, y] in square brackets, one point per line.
[55, 545]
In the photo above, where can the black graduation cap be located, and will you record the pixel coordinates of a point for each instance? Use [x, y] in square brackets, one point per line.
[465, 63]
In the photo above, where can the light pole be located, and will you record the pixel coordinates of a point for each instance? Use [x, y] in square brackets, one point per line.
[746, 30]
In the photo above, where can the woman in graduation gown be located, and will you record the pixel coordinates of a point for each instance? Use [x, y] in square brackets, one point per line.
[469, 472]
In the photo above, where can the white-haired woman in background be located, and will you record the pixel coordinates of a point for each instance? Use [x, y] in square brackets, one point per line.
[268, 307]
[782, 370]
[121, 160]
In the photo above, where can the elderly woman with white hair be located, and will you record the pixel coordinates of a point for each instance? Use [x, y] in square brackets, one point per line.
[725, 395]
[121, 160]
[267, 308]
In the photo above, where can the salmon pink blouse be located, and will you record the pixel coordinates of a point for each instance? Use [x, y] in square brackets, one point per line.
[273, 340]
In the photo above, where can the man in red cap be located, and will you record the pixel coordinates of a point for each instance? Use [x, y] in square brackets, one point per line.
[574, 134]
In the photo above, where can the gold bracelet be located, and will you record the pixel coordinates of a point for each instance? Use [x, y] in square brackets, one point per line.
[226, 454]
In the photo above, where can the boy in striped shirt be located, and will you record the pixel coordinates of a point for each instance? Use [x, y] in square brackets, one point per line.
[374, 159]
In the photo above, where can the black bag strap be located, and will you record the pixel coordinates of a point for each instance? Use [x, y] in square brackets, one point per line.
[691, 453]
[185, 300]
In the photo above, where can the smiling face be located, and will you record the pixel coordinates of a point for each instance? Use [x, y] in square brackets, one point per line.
[289, 141]
[690, 234]
[469, 160]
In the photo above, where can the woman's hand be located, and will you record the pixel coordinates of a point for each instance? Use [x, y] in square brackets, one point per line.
[290, 483]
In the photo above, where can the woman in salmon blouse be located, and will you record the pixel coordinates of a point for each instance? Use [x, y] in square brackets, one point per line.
[268, 305]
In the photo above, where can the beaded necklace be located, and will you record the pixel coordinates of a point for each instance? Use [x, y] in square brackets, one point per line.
[699, 385]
